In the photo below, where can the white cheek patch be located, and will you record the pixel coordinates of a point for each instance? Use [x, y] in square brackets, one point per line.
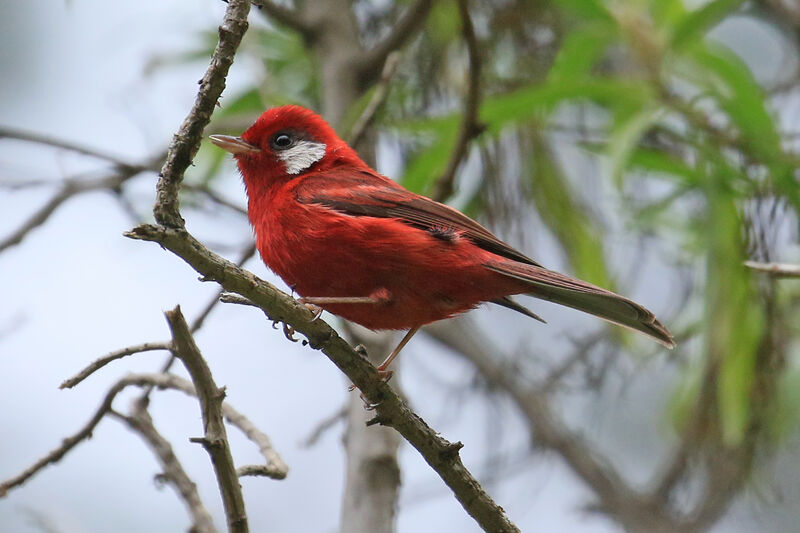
[301, 156]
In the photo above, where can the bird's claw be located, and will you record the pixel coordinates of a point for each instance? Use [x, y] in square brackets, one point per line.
[289, 332]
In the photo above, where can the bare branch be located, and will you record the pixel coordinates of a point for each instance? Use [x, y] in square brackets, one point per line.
[215, 197]
[391, 410]
[405, 28]
[113, 356]
[141, 422]
[290, 18]
[617, 498]
[215, 440]
[186, 141]
[200, 319]
[275, 468]
[74, 187]
[776, 270]
[40, 138]
[68, 190]
[324, 425]
[469, 128]
[379, 97]
[84, 433]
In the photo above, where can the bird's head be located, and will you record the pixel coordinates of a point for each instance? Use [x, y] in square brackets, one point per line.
[286, 142]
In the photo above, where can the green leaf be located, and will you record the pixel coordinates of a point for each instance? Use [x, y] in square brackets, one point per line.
[444, 22]
[536, 101]
[589, 9]
[564, 215]
[698, 22]
[429, 164]
[736, 91]
[667, 13]
[626, 137]
[247, 103]
[580, 51]
[735, 320]
[660, 162]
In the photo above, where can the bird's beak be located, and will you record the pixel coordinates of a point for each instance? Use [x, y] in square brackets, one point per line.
[235, 145]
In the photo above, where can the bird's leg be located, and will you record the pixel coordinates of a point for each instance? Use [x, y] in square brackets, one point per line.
[387, 374]
[315, 303]
[322, 300]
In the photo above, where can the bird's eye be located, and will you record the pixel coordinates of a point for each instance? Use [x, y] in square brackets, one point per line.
[282, 140]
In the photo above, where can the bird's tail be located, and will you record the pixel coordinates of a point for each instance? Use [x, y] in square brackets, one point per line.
[549, 285]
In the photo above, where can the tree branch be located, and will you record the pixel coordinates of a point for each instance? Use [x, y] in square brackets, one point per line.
[290, 18]
[113, 356]
[40, 138]
[469, 128]
[186, 141]
[215, 440]
[617, 499]
[775, 270]
[408, 24]
[274, 468]
[141, 423]
[379, 96]
[69, 189]
[84, 433]
[391, 410]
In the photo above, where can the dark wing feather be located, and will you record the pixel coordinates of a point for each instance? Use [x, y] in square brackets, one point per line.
[365, 194]
[555, 287]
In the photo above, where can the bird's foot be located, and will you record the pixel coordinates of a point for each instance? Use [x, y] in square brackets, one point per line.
[317, 310]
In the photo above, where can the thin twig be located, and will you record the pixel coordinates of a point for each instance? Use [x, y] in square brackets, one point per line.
[776, 270]
[324, 425]
[200, 319]
[74, 187]
[549, 431]
[215, 197]
[469, 128]
[70, 442]
[186, 141]
[68, 190]
[391, 410]
[290, 18]
[275, 467]
[113, 356]
[405, 28]
[379, 96]
[142, 424]
[40, 138]
[215, 439]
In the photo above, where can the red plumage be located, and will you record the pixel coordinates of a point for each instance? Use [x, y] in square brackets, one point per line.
[333, 228]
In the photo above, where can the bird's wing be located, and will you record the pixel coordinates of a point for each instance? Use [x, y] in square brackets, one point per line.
[363, 193]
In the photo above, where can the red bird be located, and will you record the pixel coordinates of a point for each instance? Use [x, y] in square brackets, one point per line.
[357, 244]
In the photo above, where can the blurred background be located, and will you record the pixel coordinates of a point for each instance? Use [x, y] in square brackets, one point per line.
[647, 146]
